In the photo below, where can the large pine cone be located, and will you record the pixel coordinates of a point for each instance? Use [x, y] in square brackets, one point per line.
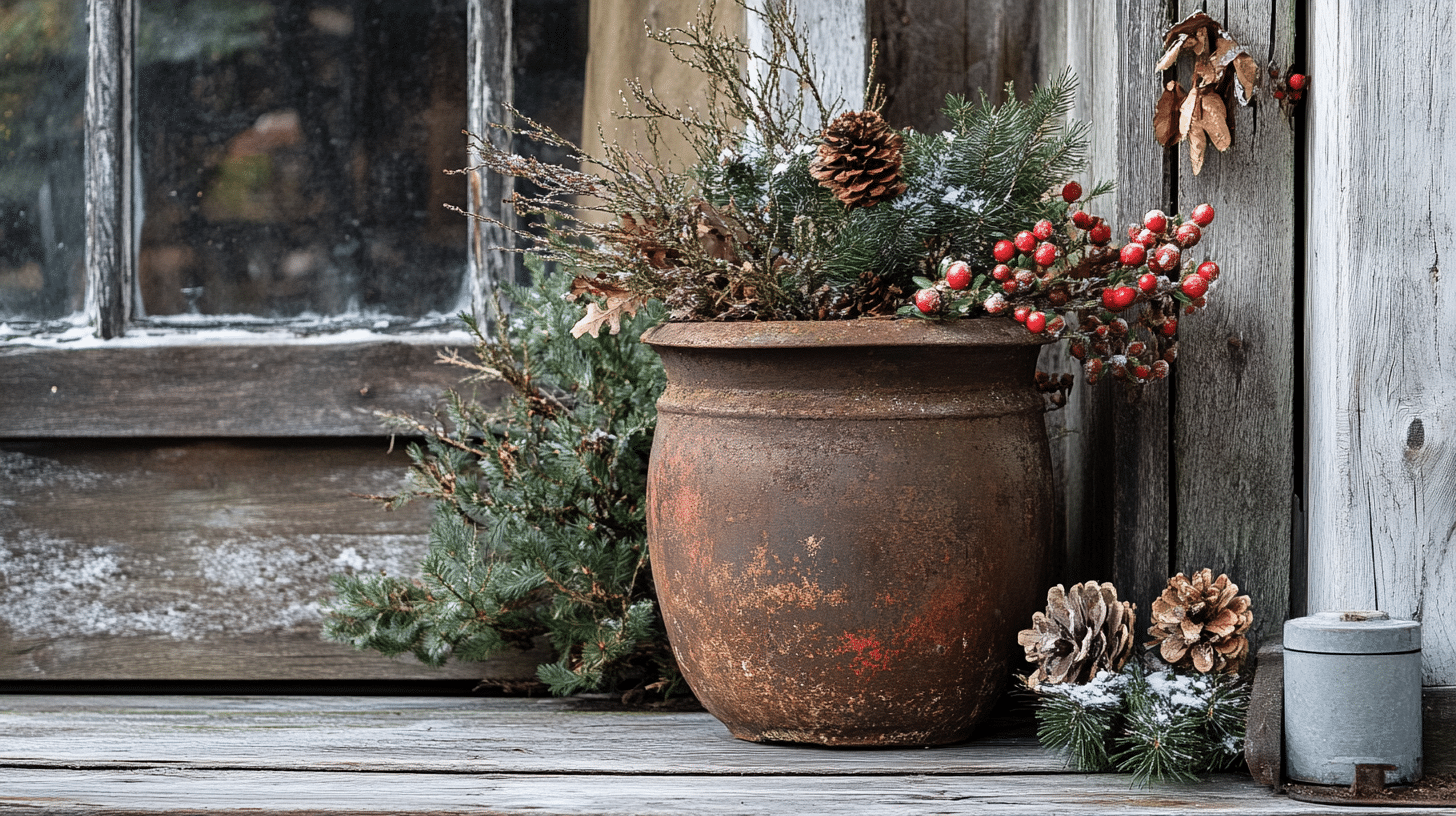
[1201, 621]
[859, 159]
[1083, 631]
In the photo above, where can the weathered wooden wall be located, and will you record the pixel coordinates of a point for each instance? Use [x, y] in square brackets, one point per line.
[1381, 316]
[1199, 472]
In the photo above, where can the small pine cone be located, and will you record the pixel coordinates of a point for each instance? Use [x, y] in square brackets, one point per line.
[859, 159]
[1084, 630]
[1200, 622]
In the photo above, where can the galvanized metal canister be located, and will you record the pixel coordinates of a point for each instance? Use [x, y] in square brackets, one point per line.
[1352, 696]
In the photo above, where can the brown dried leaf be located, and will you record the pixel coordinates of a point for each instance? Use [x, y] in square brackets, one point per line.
[1189, 25]
[1200, 41]
[1170, 56]
[620, 302]
[1185, 112]
[1205, 73]
[1246, 71]
[1225, 49]
[1197, 136]
[1215, 121]
[1165, 119]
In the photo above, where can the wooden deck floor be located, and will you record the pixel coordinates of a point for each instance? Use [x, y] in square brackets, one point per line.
[376, 755]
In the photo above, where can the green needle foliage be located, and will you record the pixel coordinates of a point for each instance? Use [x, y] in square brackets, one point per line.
[540, 517]
[1157, 725]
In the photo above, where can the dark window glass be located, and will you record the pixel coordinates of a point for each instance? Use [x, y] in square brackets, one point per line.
[291, 156]
[42, 136]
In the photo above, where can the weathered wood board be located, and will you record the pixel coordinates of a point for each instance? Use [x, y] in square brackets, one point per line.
[100, 755]
[1381, 317]
[231, 389]
[197, 559]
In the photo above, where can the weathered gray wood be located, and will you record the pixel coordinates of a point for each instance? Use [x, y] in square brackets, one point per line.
[234, 389]
[489, 91]
[109, 117]
[1234, 422]
[1381, 318]
[205, 560]
[836, 34]
[1264, 731]
[445, 735]
[1438, 729]
[930, 48]
[93, 792]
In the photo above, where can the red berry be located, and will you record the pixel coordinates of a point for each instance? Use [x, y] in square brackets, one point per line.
[1046, 254]
[1001, 272]
[995, 304]
[1003, 251]
[1202, 215]
[927, 301]
[1132, 232]
[1056, 324]
[1078, 350]
[1009, 286]
[1136, 348]
[1142, 372]
[1133, 255]
[958, 275]
[1297, 82]
[1160, 370]
[1147, 282]
[1117, 298]
[1083, 219]
[1277, 94]
[1169, 327]
[1024, 279]
[1118, 326]
[1093, 367]
[1194, 286]
[1100, 233]
[1147, 238]
[1020, 313]
[1156, 220]
[1035, 322]
[1071, 192]
[1187, 235]
[1168, 256]
[1208, 270]
[1043, 230]
[1025, 241]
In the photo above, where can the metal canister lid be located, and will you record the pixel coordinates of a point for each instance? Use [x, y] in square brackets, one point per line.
[1356, 632]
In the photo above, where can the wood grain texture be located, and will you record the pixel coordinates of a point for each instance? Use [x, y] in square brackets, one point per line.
[489, 91]
[836, 33]
[1382, 318]
[256, 389]
[1234, 420]
[207, 560]
[930, 48]
[93, 793]
[1438, 729]
[108, 157]
[1264, 729]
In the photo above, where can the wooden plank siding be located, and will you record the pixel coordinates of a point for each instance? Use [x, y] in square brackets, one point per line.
[174, 755]
[1381, 317]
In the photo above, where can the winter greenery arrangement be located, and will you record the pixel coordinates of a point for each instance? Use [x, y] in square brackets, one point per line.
[1164, 716]
[779, 220]
[540, 518]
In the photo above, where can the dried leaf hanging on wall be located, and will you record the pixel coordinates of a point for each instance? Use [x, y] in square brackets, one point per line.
[1222, 70]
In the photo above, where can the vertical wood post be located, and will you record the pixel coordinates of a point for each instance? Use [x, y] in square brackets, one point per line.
[489, 89]
[110, 270]
[1381, 317]
[836, 33]
[1233, 419]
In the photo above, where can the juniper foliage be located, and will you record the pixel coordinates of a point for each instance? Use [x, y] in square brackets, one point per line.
[1156, 724]
[540, 521]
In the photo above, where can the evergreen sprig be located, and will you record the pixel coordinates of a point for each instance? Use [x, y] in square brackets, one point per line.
[540, 518]
[1156, 724]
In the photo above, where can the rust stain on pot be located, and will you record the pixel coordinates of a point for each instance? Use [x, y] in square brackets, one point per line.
[843, 534]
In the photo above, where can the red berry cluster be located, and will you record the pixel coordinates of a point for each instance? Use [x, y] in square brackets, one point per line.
[1064, 277]
[1288, 90]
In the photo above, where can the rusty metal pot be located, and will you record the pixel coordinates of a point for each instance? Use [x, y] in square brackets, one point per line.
[848, 522]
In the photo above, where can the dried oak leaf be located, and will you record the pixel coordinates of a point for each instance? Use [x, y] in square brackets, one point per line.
[619, 303]
[1165, 115]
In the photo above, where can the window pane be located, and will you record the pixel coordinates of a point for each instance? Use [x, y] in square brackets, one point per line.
[292, 153]
[42, 138]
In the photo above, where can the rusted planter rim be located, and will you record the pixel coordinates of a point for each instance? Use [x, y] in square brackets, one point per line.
[842, 333]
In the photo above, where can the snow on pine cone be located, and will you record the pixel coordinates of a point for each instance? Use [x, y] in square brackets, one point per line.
[859, 159]
[1201, 621]
[1084, 630]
